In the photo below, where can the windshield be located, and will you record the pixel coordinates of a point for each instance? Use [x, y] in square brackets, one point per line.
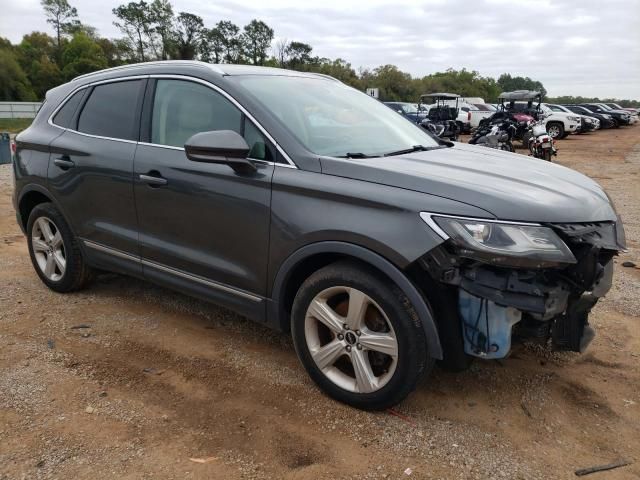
[558, 108]
[331, 119]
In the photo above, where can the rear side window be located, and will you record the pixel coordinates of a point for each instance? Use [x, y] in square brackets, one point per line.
[65, 115]
[110, 110]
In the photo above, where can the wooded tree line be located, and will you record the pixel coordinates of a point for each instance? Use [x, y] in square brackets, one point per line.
[153, 31]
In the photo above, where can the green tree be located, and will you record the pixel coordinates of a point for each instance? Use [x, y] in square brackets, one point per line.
[212, 45]
[298, 54]
[36, 54]
[82, 55]
[256, 41]
[14, 84]
[230, 33]
[63, 17]
[189, 29]
[162, 20]
[134, 20]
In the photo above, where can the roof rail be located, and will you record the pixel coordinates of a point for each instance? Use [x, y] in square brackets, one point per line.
[132, 66]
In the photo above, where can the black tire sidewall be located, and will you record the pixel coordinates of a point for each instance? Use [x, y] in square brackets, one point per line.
[413, 358]
[74, 261]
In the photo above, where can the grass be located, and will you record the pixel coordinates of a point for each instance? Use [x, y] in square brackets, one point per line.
[14, 125]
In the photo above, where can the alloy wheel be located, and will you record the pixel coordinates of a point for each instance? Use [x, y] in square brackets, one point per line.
[48, 248]
[553, 131]
[351, 339]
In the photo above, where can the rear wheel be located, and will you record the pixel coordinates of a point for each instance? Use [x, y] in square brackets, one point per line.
[359, 339]
[547, 154]
[55, 252]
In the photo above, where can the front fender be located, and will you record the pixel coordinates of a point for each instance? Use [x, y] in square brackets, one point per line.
[277, 316]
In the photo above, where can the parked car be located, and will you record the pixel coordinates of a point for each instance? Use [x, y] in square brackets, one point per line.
[558, 124]
[615, 106]
[620, 117]
[587, 123]
[606, 120]
[633, 116]
[312, 208]
[407, 110]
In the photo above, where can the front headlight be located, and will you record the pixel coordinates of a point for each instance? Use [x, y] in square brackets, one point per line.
[573, 119]
[502, 243]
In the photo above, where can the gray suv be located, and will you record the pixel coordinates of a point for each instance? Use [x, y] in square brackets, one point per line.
[312, 208]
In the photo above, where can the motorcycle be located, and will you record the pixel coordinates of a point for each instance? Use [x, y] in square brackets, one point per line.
[498, 135]
[541, 145]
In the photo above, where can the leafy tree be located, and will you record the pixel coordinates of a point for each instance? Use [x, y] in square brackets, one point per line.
[508, 83]
[212, 46]
[230, 33]
[14, 84]
[62, 16]
[135, 23]
[298, 54]
[82, 55]
[162, 19]
[189, 29]
[256, 40]
[36, 54]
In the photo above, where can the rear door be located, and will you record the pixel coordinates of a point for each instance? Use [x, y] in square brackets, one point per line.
[91, 165]
[204, 228]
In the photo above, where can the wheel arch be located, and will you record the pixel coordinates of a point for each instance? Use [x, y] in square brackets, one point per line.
[308, 259]
[30, 197]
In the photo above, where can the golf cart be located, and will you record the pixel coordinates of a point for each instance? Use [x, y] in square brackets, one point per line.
[519, 108]
[442, 116]
[528, 102]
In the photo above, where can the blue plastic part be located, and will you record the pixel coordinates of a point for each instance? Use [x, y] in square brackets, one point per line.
[486, 327]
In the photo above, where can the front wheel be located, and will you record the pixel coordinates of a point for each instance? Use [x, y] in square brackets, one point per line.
[359, 339]
[555, 130]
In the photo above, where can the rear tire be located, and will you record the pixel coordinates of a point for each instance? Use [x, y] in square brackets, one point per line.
[371, 363]
[547, 154]
[54, 250]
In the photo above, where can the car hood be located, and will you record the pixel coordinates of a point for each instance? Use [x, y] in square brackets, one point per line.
[509, 186]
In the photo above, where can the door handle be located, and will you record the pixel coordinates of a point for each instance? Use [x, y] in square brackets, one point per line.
[64, 162]
[153, 181]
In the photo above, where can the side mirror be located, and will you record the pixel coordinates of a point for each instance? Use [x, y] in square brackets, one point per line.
[400, 111]
[220, 146]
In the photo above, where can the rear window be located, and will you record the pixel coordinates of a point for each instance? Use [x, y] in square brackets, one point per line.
[65, 115]
[110, 110]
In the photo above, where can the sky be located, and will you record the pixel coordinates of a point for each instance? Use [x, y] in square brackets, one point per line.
[574, 47]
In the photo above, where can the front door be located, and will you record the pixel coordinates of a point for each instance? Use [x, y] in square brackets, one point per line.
[203, 227]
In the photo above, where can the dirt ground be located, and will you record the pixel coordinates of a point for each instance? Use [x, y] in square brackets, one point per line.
[130, 381]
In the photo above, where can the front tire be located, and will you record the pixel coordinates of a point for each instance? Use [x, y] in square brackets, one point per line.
[555, 130]
[359, 338]
[55, 252]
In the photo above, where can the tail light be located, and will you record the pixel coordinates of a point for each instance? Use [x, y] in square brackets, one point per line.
[469, 116]
[13, 147]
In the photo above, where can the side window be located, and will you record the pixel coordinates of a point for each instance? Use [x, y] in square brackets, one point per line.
[260, 148]
[182, 109]
[65, 115]
[110, 110]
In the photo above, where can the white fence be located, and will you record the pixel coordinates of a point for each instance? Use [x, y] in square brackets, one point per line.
[19, 109]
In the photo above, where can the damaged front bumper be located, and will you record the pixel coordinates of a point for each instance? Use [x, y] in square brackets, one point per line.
[498, 304]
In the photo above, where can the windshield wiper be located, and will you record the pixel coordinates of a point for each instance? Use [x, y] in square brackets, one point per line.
[356, 155]
[415, 148]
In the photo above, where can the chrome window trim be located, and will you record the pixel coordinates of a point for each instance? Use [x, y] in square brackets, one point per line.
[289, 164]
[179, 273]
